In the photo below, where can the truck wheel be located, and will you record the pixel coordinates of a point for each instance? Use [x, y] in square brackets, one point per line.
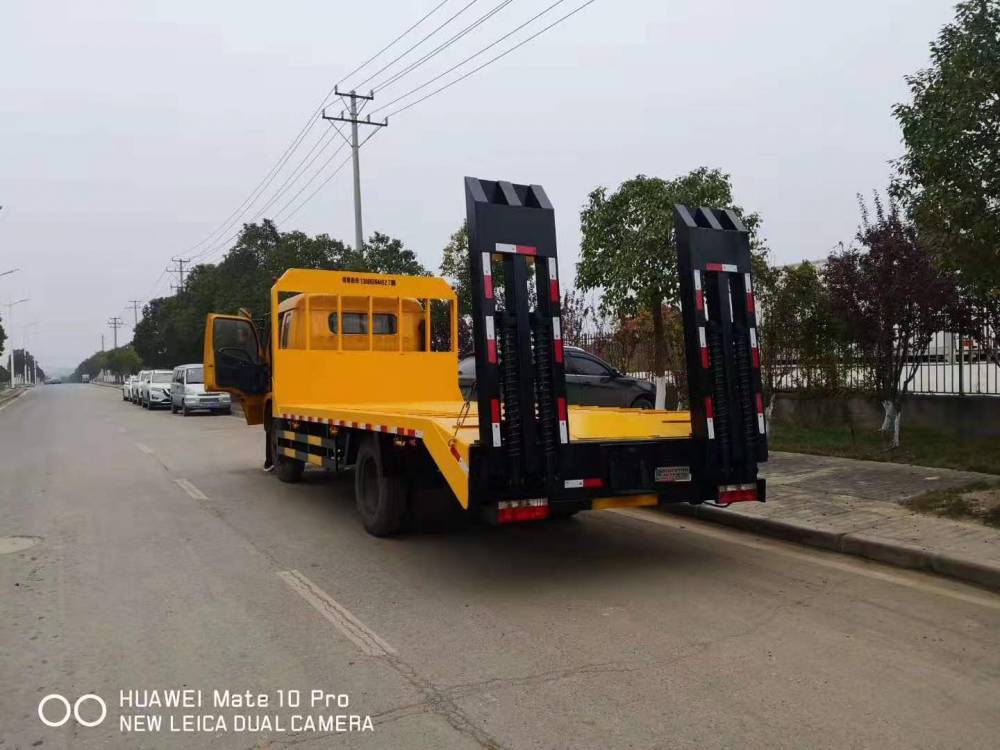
[378, 489]
[288, 470]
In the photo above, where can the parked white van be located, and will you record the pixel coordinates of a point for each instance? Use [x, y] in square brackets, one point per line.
[187, 393]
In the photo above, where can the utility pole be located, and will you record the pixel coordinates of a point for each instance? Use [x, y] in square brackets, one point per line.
[352, 118]
[115, 323]
[102, 342]
[181, 262]
[135, 311]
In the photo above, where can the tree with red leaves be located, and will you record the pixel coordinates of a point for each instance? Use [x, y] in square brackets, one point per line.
[892, 300]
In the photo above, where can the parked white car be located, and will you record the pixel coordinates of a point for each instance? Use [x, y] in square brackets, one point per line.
[140, 379]
[154, 391]
[188, 394]
[127, 387]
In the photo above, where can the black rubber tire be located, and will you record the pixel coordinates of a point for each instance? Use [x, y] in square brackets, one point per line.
[288, 470]
[379, 490]
[642, 403]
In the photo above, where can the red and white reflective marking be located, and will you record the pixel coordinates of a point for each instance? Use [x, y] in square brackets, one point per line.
[710, 418]
[458, 457]
[503, 247]
[579, 484]
[510, 511]
[368, 426]
[557, 343]
[699, 294]
[495, 421]
[488, 275]
[553, 280]
[703, 346]
[721, 267]
[491, 340]
[750, 303]
[760, 413]
[563, 424]
[754, 351]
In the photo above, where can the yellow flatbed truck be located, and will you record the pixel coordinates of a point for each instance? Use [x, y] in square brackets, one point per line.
[358, 370]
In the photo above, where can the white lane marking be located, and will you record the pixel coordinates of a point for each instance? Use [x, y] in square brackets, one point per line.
[189, 488]
[144, 448]
[819, 557]
[356, 631]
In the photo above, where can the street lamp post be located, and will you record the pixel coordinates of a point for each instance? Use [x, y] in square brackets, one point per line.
[10, 308]
[24, 353]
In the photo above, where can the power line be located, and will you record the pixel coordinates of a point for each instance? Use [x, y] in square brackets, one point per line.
[441, 47]
[327, 180]
[477, 54]
[292, 178]
[413, 47]
[223, 246]
[310, 123]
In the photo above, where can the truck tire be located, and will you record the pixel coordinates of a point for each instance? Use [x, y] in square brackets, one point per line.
[379, 490]
[288, 470]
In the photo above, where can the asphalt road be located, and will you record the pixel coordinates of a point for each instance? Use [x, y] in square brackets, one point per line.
[161, 556]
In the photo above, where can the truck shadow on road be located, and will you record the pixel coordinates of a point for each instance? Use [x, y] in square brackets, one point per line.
[442, 542]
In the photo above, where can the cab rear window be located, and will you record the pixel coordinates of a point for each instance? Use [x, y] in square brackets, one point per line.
[383, 324]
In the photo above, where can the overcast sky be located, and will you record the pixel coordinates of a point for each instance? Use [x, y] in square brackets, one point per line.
[131, 130]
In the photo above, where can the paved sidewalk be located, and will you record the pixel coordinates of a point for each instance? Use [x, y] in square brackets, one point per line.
[853, 507]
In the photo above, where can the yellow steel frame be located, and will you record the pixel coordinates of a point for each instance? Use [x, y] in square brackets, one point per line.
[413, 390]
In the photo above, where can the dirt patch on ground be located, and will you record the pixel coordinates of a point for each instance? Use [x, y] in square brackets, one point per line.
[979, 501]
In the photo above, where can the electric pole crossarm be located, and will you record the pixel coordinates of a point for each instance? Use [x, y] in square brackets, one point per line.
[352, 99]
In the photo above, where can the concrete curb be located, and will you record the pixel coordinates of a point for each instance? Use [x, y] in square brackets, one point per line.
[7, 397]
[858, 544]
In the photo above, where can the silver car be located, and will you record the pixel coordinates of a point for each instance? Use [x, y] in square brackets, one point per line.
[188, 394]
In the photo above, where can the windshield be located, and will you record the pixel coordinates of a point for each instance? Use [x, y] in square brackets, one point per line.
[162, 377]
[195, 375]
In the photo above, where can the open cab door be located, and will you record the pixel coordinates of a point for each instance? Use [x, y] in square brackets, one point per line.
[234, 363]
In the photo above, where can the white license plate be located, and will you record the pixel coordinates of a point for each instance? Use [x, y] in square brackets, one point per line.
[672, 474]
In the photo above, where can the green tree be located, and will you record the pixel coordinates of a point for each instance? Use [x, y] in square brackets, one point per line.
[799, 334]
[950, 171]
[455, 267]
[3, 335]
[628, 248]
[172, 328]
[123, 361]
[384, 254]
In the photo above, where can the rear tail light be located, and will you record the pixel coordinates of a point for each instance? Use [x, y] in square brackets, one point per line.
[737, 493]
[512, 511]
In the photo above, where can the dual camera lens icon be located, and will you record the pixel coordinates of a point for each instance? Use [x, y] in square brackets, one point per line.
[68, 710]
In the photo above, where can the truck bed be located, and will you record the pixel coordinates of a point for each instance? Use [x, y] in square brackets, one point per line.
[585, 422]
[448, 435]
